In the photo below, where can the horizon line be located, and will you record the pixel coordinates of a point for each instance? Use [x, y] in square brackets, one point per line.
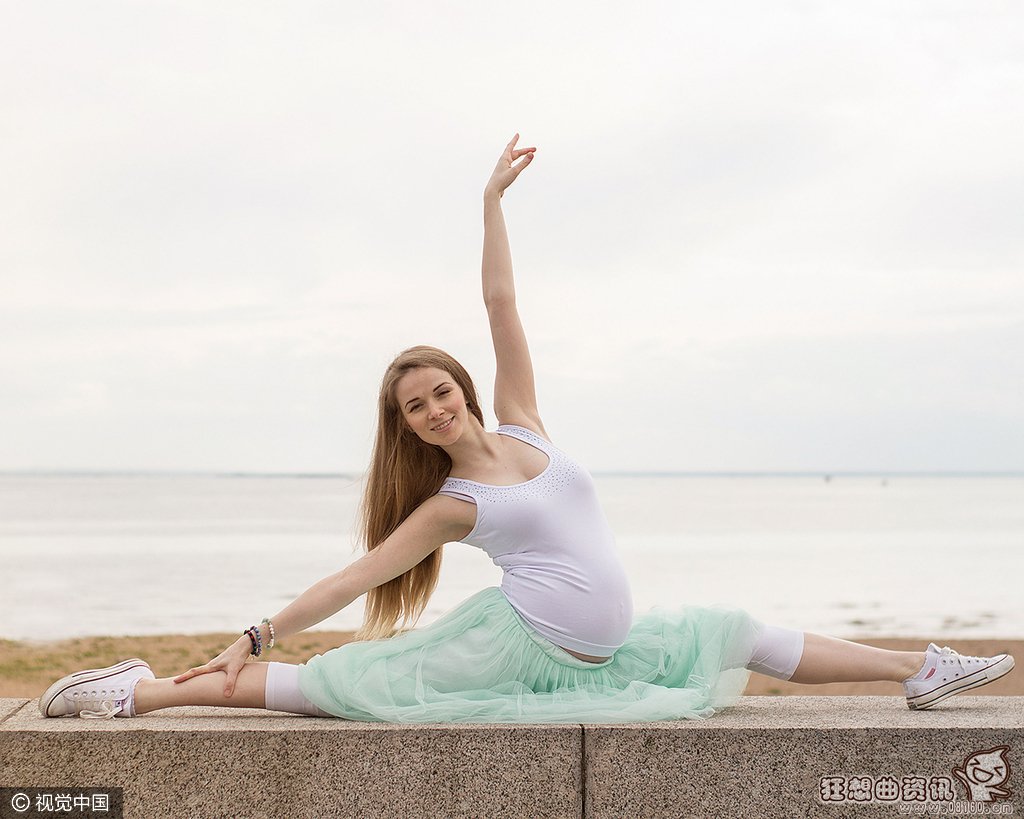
[610, 473]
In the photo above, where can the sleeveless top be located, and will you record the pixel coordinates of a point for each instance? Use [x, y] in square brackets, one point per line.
[560, 568]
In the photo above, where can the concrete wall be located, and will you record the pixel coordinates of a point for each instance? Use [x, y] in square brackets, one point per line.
[767, 757]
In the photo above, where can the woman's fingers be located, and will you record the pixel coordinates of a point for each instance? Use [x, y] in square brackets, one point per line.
[510, 164]
[521, 164]
[201, 669]
[513, 154]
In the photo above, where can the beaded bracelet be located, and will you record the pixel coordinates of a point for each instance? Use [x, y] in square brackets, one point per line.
[254, 637]
[271, 627]
[256, 640]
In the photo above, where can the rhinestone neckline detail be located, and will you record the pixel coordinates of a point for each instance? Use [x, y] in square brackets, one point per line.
[526, 436]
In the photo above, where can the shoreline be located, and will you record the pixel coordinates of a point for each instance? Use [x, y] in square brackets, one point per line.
[29, 667]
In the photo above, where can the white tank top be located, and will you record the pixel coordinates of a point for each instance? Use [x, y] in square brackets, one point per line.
[561, 569]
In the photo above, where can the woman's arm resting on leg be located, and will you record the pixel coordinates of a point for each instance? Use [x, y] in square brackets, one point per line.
[430, 526]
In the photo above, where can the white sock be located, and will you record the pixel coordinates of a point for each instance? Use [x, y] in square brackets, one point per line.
[128, 709]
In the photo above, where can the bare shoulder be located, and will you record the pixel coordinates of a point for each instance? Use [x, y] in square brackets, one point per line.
[527, 421]
[456, 518]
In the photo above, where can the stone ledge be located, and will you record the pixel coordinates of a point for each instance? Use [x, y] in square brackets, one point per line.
[765, 757]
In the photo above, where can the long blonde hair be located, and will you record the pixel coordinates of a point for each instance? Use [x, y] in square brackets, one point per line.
[404, 472]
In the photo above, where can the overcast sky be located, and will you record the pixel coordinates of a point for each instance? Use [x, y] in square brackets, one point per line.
[755, 236]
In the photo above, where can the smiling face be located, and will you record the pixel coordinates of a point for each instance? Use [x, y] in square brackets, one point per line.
[432, 404]
[988, 767]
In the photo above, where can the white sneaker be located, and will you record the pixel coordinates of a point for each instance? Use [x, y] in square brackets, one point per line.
[96, 693]
[946, 673]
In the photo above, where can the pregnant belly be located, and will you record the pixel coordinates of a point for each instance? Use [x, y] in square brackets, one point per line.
[586, 657]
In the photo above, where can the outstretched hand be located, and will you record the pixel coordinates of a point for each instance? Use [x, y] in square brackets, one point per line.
[230, 660]
[505, 173]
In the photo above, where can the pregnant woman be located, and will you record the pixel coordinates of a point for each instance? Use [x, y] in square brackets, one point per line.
[558, 641]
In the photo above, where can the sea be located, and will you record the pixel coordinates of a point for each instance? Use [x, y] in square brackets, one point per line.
[851, 555]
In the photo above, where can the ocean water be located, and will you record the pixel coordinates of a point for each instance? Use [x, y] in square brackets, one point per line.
[856, 555]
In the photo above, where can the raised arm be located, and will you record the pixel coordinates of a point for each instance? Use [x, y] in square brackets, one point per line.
[515, 398]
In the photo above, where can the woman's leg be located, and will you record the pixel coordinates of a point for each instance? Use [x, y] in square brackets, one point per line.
[805, 657]
[829, 659]
[274, 686]
[204, 689]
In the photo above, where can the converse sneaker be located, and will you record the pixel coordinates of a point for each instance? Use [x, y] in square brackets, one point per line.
[96, 693]
[946, 673]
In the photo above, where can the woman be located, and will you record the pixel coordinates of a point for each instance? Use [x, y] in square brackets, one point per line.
[557, 642]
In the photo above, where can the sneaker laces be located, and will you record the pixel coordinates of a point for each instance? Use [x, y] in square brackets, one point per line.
[99, 706]
[961, 659]
[108, 709]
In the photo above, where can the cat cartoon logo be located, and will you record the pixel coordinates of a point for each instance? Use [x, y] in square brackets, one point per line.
[983, 774]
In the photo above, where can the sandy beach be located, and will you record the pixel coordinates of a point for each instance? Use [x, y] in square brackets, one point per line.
[28, 668]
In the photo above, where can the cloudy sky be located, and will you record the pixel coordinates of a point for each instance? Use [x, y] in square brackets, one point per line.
[756, 236]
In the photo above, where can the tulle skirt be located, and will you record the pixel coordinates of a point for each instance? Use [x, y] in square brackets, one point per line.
[482, 663]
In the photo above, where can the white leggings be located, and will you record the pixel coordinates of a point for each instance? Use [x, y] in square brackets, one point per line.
[284, 694]
[777, 653]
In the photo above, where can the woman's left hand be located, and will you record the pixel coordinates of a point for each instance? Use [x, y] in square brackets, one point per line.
[230, 661]
[505, 173]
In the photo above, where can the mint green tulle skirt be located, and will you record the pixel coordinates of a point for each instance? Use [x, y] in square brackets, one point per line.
[481, 662]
